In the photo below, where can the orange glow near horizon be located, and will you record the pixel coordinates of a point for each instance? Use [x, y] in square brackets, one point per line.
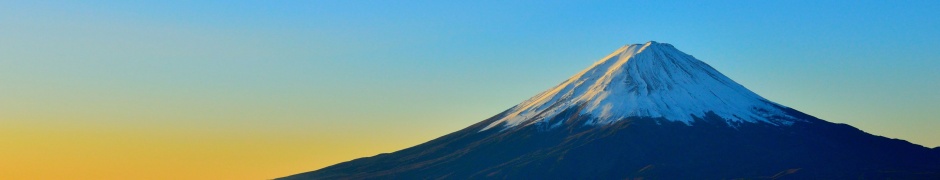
[109, 153]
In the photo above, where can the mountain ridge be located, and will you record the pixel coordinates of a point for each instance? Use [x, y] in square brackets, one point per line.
[561, 137]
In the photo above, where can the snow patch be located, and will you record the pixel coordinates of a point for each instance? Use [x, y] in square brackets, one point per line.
[652, 80]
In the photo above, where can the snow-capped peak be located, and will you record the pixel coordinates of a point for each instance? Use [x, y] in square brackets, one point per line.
[651, 80]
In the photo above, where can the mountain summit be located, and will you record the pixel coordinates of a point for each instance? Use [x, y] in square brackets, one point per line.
[649, 111]
[652, 80]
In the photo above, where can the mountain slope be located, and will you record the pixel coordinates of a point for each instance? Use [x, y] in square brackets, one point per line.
[648, 111]
[648, 80]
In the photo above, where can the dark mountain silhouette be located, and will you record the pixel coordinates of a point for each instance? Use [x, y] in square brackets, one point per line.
[649, 111]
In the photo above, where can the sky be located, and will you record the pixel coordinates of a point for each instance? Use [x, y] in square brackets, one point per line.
[264, 89]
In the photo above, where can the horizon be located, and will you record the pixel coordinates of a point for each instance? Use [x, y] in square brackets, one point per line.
[259, 90]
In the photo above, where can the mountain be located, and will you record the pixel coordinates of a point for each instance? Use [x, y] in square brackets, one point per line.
[649, 111]
[647, 80]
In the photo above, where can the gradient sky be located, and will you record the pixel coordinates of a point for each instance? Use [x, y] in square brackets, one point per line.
[255, 90]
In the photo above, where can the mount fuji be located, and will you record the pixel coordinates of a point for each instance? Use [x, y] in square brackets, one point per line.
[649, 111]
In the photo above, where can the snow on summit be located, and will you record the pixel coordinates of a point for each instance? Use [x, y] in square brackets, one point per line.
[651, 80]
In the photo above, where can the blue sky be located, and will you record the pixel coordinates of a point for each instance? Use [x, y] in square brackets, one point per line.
[385, 75]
